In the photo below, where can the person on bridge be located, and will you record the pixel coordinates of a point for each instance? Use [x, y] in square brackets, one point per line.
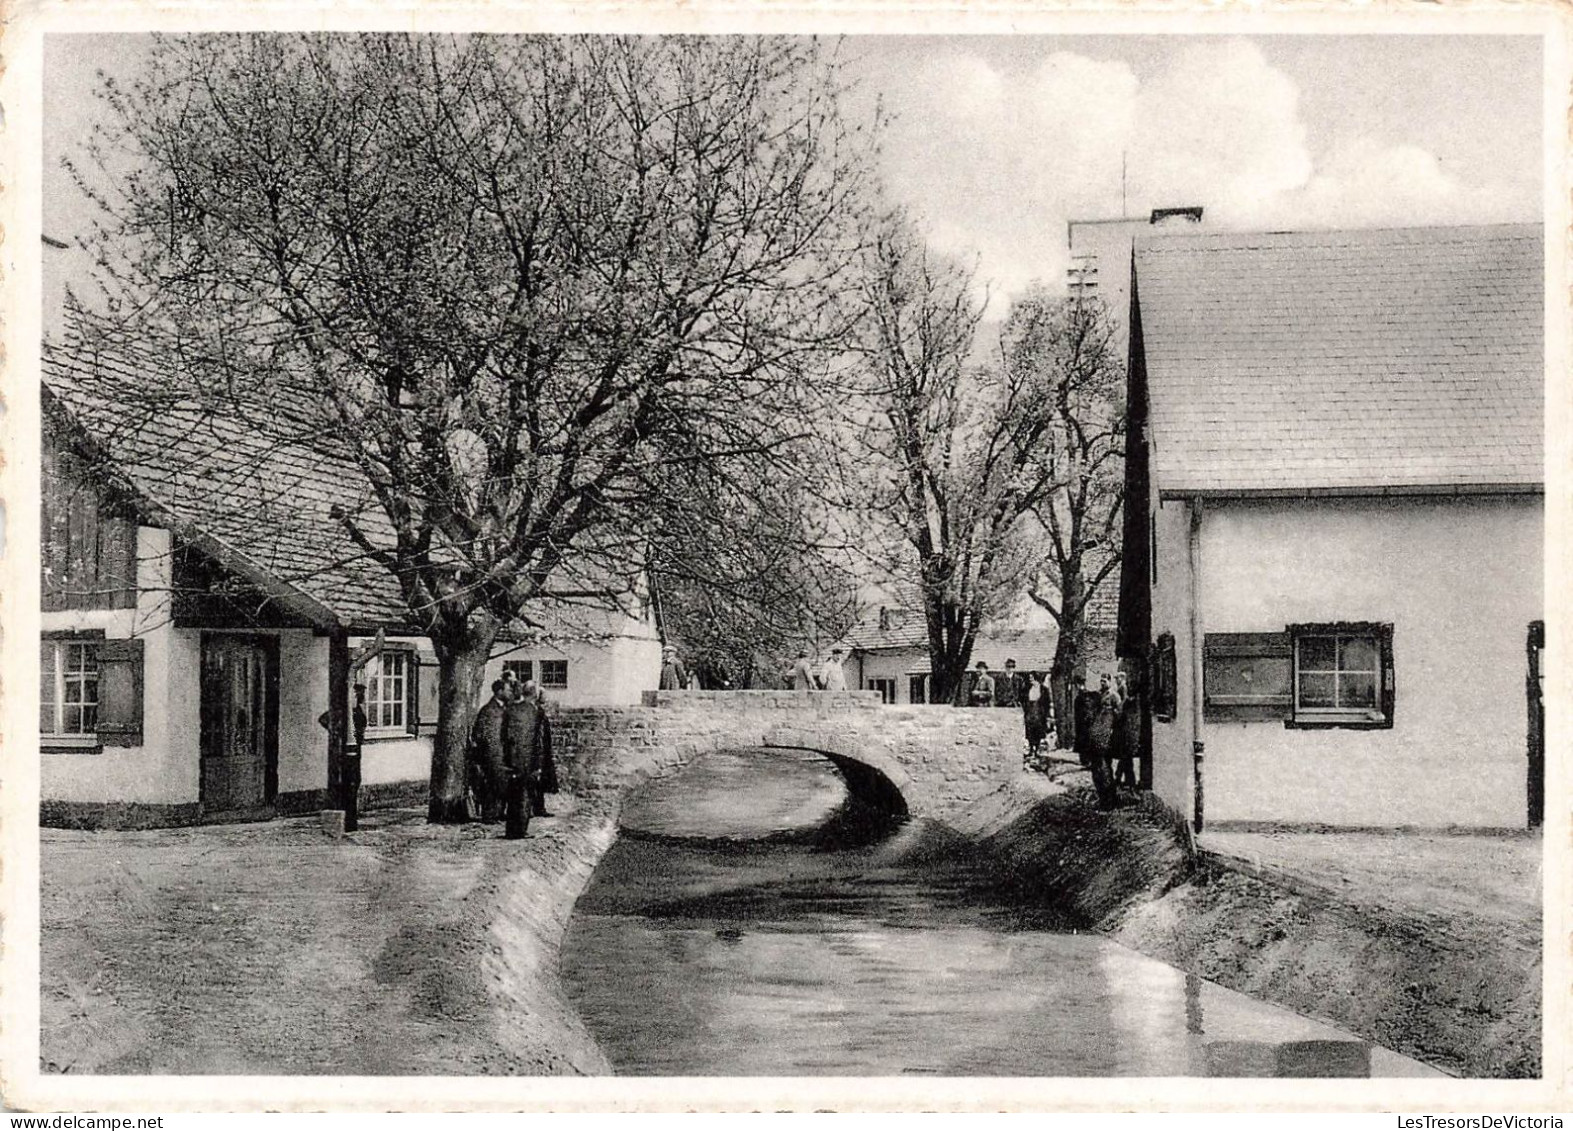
[833, 677]
[982, 694]
[674, 676]
[486, 770]
[803, 678]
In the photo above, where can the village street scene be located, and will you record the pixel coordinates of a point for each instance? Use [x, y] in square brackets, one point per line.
[738, 556]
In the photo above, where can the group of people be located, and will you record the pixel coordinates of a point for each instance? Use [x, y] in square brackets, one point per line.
[1028, 692]
[828, 676]
[511, 769]
[1107, 723]
[1108, 735]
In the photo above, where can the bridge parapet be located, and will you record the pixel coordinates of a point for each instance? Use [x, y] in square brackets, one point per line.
[941, 759]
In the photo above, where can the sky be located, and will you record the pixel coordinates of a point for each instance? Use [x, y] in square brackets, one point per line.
[996, 141]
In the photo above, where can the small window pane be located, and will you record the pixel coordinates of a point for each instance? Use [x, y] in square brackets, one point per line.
[1318, 653]
[1317, 689]
[1357, 654]
[1356, 689]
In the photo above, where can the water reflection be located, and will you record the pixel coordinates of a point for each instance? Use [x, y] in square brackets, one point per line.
[884, 958]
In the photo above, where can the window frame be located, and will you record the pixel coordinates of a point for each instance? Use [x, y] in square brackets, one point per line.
[83, 740]
[375, 728]
[1328, 718]
[551, 685]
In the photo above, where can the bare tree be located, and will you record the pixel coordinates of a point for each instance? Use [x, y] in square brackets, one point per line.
[498, 275]
[956, 452]
[1065, 348]
[755, 570]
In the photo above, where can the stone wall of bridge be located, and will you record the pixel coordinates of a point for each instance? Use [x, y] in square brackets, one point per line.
[940, 759]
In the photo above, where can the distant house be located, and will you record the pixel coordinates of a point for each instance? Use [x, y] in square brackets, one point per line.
[1334, 524]
[202, 607]
[889, 651]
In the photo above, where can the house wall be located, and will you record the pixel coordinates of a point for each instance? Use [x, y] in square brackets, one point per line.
[1460, 581]
[158, 782]
[1172, 774]
[161, 771]
[618, 662]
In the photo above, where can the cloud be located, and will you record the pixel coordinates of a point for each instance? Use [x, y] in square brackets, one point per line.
[997, 159]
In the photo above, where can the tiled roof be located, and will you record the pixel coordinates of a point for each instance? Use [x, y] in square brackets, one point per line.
[263, 498]
[1351, 360]
[258, 491]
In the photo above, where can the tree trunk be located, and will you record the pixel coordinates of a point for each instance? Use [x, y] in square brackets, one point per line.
[1062, 681]
[462, 669]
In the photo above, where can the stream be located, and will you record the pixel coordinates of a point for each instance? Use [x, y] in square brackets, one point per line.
[746, 923]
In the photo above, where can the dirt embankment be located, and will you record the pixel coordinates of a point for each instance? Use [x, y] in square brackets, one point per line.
[1453, 990]
[407, 949]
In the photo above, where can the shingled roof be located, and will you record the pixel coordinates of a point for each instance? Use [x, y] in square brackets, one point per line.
[255, 498]
[254, 490]
[1349, 361]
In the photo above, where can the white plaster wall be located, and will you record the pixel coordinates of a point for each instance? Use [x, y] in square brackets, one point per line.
[163, 769]
[1172, 768]
[1459, 580]
[898, 664]
[609, 672]
[303, 697]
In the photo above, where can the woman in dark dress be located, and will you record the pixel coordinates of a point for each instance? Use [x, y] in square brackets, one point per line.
[1035, 715]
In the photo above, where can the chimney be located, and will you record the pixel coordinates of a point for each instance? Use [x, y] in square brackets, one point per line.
[1174, 217]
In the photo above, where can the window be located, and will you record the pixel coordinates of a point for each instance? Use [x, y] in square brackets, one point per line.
[1309, 675]
[521, 670]
[388, 690]
[68, 693]
[917, 689]
[1343, 674]
[886, 689]
[554, 673]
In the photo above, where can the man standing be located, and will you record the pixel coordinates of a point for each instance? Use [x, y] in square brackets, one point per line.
[674, 676]
[982, 687]
[833, 677]
[487, 773]
[1009, 688]
[544, 780]
[521, 754]
[803, 673]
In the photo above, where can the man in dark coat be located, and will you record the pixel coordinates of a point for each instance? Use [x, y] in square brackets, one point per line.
[545, 779]
[521, 730]
[1010, 687]
[674, 676]
[487, 773]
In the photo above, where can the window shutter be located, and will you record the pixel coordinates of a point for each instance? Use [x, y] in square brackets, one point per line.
[424, 672]
[120, 693]
[1389, 684]
[1248, 676]
[1164, 679]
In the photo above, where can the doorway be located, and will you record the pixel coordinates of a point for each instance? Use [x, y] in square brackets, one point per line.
[240, 726]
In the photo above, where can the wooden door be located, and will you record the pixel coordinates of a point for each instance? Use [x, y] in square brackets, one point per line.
[239, 724]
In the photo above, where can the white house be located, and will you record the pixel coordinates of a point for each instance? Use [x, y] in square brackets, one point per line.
[1334, 527]
[888, 650]
[203, 610]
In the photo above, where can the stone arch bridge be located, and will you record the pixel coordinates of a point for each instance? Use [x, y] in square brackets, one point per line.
[930, 761]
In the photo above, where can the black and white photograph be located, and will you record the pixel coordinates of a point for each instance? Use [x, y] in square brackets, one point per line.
[1009, 557]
